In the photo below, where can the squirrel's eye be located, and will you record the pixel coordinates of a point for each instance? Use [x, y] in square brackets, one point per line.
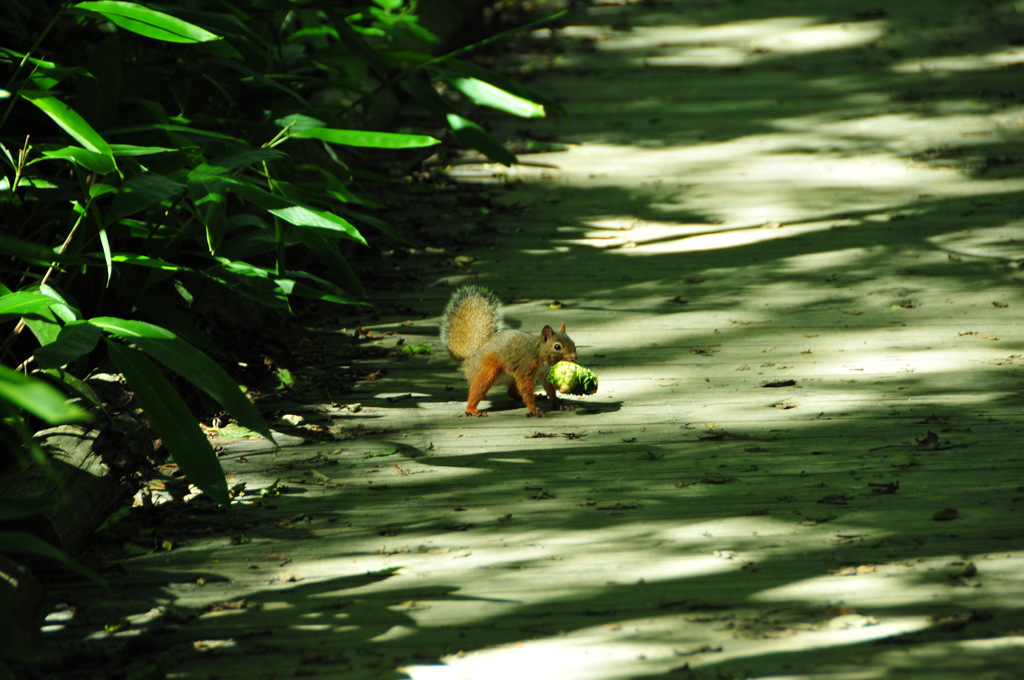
[558, 346]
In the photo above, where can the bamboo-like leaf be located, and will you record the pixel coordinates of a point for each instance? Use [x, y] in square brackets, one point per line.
[148, 22]
[141, 192]
[468, 68]
[296, 213]
[190, 363]
[72, 123]
[24, 302]
[365, 138]
[39, 399]
[475, 136]
[92, 161]
[74, 340]
[207, 189]
[485, 94]
[21, 542]
[172, 420]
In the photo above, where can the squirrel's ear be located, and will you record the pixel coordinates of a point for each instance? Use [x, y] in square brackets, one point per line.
[561, 327]
[546, 333]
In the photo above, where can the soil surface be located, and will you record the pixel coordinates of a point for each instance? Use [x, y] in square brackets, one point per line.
[787, 236]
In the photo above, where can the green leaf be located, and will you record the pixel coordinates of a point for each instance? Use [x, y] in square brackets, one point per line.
[39, 399]
[190, 363]
[364, 138]
[141, 192]
[468, 68]
[45, 323]
[327, 250]
[301, 216]
[148, 22]
[296, 213]
[207, 189]
[74, 385]
[33, 253]
[133, 150]
[485, 94]
[71, 122]
[74, 340]
[90, 160]
[472, 134]
[172, 420]
[24, 302]
[146, 261]
[21, 542]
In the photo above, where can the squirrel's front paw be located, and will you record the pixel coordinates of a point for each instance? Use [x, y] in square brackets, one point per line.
[564, 406]
[538, 413]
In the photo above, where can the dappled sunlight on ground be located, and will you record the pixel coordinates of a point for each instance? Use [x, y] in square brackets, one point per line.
[787, 237]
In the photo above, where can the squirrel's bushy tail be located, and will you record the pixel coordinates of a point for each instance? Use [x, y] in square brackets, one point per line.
[472, 316]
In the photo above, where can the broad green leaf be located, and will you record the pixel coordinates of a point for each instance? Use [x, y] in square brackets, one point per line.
[298, 122]
[472, 134]
[146, 261]
[295, 213]
[62, 309]
[190, 363]
[154, 305]
[364, 138]
[362, 50]
[324, 290]
[148, 22]
[24, 543]
[105, 245]
[39, 399]
[172, 420]
[468, 68]
[74, 385]
[301, 216]
[24, 302]
[327, 250]
[90, 160]
[207, 189]
[71, 122]
[74, 340]
[45, 324]
[257, 287]
[485, 94]
[101, 189]
[32, 253]
[141, 192]
[133, 150]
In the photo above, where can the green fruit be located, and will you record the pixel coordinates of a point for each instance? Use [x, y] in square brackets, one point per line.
[570, 378]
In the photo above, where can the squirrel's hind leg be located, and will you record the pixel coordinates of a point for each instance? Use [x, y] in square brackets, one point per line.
[481, 378]
[525, 385]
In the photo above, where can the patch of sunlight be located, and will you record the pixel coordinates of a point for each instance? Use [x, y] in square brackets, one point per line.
[660, 240]
[905, 584]
[730, 44]
[961, 63]
[934, 361]
[647, 646]
[1003, 241]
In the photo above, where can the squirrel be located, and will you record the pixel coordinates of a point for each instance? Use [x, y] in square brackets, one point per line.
[473, 328]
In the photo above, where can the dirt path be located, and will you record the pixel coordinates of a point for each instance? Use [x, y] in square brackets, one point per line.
[787, 236]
